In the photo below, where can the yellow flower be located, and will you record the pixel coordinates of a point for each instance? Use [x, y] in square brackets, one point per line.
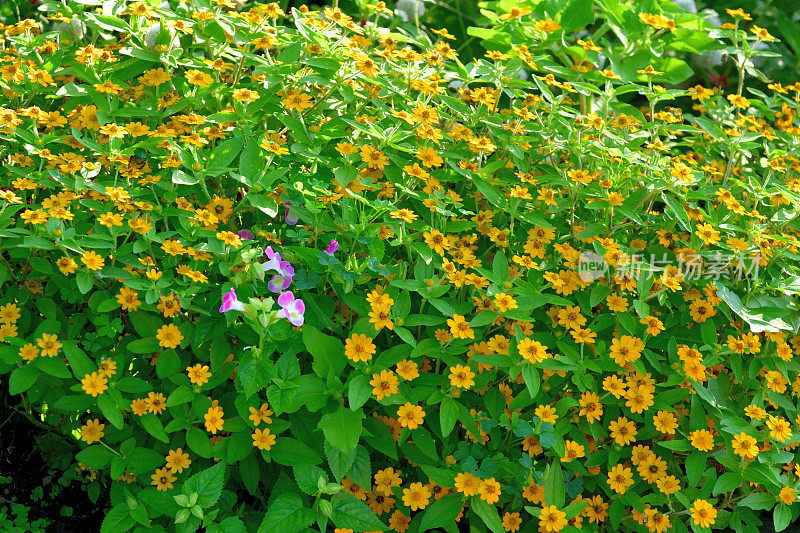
[49, 345]
[532, 351]
[94, 384]
[787, 495]
[461, 376]
[213, 418]
[177, 460]
[551, 519]
[92, 431]
[572, 450]
[163, 479]
[416, 496]
[128, 299]
[591, 407]
[489, 490]
[779, 428]
[384, 384]
[92, 260]
[467, 484]
[9, 313]
[407, 369]
[262, 414]
[745, 446]
[196, 77]
[703, 513]
[263, 439]
[459, 327]
[169, 336]
[665, 422]
[702, 439]
[547, 413]
[504, 302]
[359, 348]
[622, 430]
[410, 416]
[620, 478]
[198, 374]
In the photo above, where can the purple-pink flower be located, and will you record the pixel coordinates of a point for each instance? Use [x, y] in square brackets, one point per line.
[246, 235]
[332, 247]
[230, 301]
[284, 269]
[290, 216]
[292, 309]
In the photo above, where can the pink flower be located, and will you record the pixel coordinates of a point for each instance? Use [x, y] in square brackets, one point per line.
[292, 309]
[332, 247]
[290, 216]
[245, 234]
[230, 301]
[284, 269]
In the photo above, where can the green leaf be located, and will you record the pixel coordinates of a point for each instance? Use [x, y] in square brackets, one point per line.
[680, 213]
[488, 513]
[208, 484]
[110, 410]
[147, 345]
[348, 512]
[380, 437]
[198, 442]
[578, 15]
[95, 456]
[84, 281]
[231, 524]
[240, 445]
[360, 470]
[328, 352]
[554, 485]
[448, 414]
[441, 512]
[180, 396]
[22, 379]
[79, 362]
[532, 380]
[168, 363]
[358, 391]
[118, 520]
[726, 483]
[695, 465]
[291, 452]
[143, 460]
[287, 515]
[53, 366]
[339, 463]
[222, 155]
[342, 429]
[153, 426]
[759, 501]
[307, 477]
[757, 321]
[782, 517]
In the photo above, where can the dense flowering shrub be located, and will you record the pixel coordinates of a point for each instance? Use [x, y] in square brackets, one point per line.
[283, 271]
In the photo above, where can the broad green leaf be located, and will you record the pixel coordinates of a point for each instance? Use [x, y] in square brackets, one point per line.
[348, 512]
[342, 429]
[287, 515]
[208, 484]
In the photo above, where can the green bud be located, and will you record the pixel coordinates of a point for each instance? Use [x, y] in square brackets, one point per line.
[332, 488]
[325, 507]
[182, 500]
[197, 511]
[182, 516]
[193, 498]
